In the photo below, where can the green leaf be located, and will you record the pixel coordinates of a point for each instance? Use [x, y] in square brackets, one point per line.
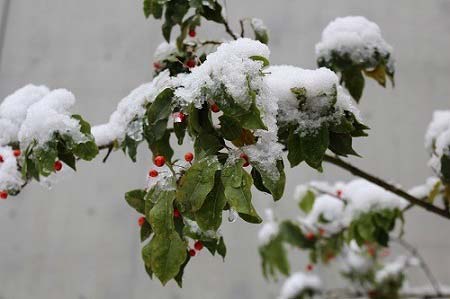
[86, 151]
[85, 127]
[179, 277]
[341, 144]
[135, 198]
[295, 152]
[197, 183]
[162, 147]
[293, 235]
[167, 255]
[258, 182]
[161, 107]
[354, 82]
[207, 144]
[274, 182]
[445, 168]
[221, 248]
[213, 14]
[230, 127]
[161, 215]
[209, 216]
[130, 145]
[314, 146]
[146, 231]
[180, 131]
[238, 183]
[274, 258]
[263, 59]
[307, 202]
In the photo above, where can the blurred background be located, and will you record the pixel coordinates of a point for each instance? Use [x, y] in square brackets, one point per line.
[80, 240]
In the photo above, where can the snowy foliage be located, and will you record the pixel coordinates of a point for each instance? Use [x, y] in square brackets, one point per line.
[437, 142]
[299, 284]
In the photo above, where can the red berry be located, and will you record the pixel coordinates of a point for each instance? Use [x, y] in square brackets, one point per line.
[16, 153]
[141, 221]
[192, 33]
[156, 65]
[189, 157]
[215, 108]
[1, 159]
[321, 231]
[179, 117]
[176, 213]
[153, 173]
[192, 252]
[309, 268]
[58, 165]
[190, 63]
[310, 236]
[339, 193]
[3, 195]
[198, 245]
[159, 161]
[371, 251]
[245, 158]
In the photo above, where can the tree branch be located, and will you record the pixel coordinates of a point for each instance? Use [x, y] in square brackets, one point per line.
[387, 186]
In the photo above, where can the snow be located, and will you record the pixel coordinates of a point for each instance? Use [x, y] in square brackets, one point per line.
[354, 36]
[269, 229]
[363, 196]
[354, 260]
[131, 108]
[423, 191]
[320, 85]
[330, 208]
[298, 283]
[164, 50]
[437, 138]
[258, 26]
[395, 268]
[10, 176]
[49, 115]
[360, 197]
[13, 110]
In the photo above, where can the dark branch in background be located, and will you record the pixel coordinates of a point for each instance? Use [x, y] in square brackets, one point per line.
[426, 269]
[229, 31]
[389, 187]
[241, 22]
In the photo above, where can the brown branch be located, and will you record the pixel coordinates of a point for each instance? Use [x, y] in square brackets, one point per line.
[387, 186]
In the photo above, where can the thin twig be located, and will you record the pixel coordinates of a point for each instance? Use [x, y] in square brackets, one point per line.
[242, 27]
[423, 265]
[389, 187]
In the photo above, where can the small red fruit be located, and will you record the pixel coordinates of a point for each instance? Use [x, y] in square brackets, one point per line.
[16, 153]
[190, 63]
[156, 65]
[371, 251]
[1, 159]
[245, 158]
[198, 245]
[192, 33]
[215, 108]
[159, 161]
[192, 252]
[3, 195]
[309, 267]
[189, 157]
[179, 117]
[58, 165]
[176, 213]
[339, 193]
[321, 231]
[153, 173]
[141, 221]
[310, 236]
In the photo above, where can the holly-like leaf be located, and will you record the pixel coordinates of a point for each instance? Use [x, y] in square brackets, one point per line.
[135, 198]
[209, 216]
[162, 147]
[197, 183]
[167, 255]
[221, 248]
[263, 59]
[238, 183]
[146, 231]
[295, 152]
[445, 169]
[230, 127]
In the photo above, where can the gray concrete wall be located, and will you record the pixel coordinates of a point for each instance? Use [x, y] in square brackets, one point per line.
[80, 240]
